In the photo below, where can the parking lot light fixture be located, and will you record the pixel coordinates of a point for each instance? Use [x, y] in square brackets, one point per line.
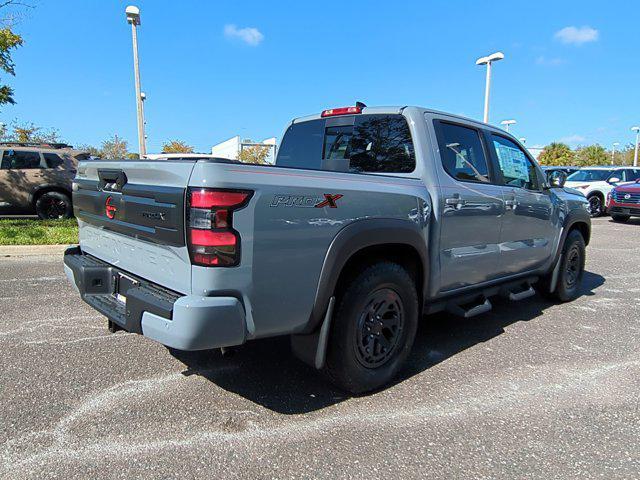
[488, 60]
[507, 124]
[133, 17]
[635, 152]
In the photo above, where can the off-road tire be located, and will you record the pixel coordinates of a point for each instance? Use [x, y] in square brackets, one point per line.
[349, 365]
[567, 288]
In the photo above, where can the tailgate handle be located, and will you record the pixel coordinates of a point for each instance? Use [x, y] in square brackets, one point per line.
[111, 180]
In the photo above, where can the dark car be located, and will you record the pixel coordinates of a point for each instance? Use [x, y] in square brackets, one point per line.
[567, 170]
[624, 202]
[36, 178]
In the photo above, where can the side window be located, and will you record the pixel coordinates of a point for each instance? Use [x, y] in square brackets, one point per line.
[621, 174]
[20, 159]
[53, 160]
[517, 169]
[301, 145]
[462, 153]
[633, 175]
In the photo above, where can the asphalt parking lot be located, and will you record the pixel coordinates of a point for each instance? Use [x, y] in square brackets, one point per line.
[531, 389]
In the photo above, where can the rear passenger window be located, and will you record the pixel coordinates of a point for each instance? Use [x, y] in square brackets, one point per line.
[462, 153]
[360, 144]
[53, 160]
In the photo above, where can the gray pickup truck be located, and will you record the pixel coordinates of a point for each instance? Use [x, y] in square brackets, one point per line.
[370, 219]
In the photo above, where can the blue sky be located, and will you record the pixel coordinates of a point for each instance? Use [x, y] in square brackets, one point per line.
[212, 70]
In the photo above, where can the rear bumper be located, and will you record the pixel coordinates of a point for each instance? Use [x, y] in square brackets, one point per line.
[184, 322]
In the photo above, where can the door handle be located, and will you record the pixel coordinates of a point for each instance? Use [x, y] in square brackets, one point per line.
[511, 204]
[457, 202]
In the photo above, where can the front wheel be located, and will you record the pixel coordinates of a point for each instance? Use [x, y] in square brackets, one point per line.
[54, 205]
[620, 218]
[373, 329]
[571, 268]
[596, 205]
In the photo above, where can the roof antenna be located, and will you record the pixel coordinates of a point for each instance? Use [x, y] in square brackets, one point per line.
[360, 105]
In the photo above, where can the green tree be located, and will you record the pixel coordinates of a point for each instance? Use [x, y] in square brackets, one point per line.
[254, 153]
[592, 155]
[29, 132]
[176, 146]
[624, 156]
[9, 41]
[91, 150]
[114, 148]
[10, 12]
[556, 153]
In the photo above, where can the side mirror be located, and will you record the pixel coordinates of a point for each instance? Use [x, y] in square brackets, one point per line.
[613, 180]
[556, 178]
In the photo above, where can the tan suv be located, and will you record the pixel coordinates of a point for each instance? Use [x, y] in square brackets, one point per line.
[36, 177]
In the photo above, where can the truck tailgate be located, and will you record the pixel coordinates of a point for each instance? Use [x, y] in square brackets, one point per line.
[131, 215]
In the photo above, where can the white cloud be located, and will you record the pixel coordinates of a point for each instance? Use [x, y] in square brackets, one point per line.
[577, 35]
[573, 139]
[549, 62]
[249, 35]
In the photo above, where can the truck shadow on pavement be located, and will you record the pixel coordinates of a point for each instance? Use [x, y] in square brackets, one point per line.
[265, 371]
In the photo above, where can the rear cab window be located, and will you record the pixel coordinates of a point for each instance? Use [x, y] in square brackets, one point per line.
[368, 143]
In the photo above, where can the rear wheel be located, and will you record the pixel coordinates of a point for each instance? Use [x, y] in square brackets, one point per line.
[54, 205]
[373, 329]
[620, 218]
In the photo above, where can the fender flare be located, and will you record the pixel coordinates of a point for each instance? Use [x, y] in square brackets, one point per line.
[355, 237]
[576, 215]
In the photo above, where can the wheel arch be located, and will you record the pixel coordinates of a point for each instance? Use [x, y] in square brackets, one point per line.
[362, 243]
[42, 189]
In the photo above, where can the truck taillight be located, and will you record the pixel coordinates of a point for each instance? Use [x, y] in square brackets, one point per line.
[211, 238]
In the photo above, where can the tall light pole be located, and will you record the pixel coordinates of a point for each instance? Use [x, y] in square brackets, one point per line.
[635, 152]
[613, 153]
[488, 60]
[507, 124]
[133, 17]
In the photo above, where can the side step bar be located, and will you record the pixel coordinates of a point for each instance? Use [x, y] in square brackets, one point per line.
[470, 310]
[472, 305]
[516, 295]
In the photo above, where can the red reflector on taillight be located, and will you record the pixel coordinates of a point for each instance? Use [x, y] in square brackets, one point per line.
[210, 238]
[204, 198]
[341, 111]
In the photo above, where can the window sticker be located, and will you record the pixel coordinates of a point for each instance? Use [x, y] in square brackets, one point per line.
[512, 162]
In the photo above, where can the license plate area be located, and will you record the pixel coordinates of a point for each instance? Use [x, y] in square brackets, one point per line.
[122, 284]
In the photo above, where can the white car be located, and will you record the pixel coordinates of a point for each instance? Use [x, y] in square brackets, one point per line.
[596, 182]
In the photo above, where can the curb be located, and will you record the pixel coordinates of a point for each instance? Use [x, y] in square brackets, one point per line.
[31, 250]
